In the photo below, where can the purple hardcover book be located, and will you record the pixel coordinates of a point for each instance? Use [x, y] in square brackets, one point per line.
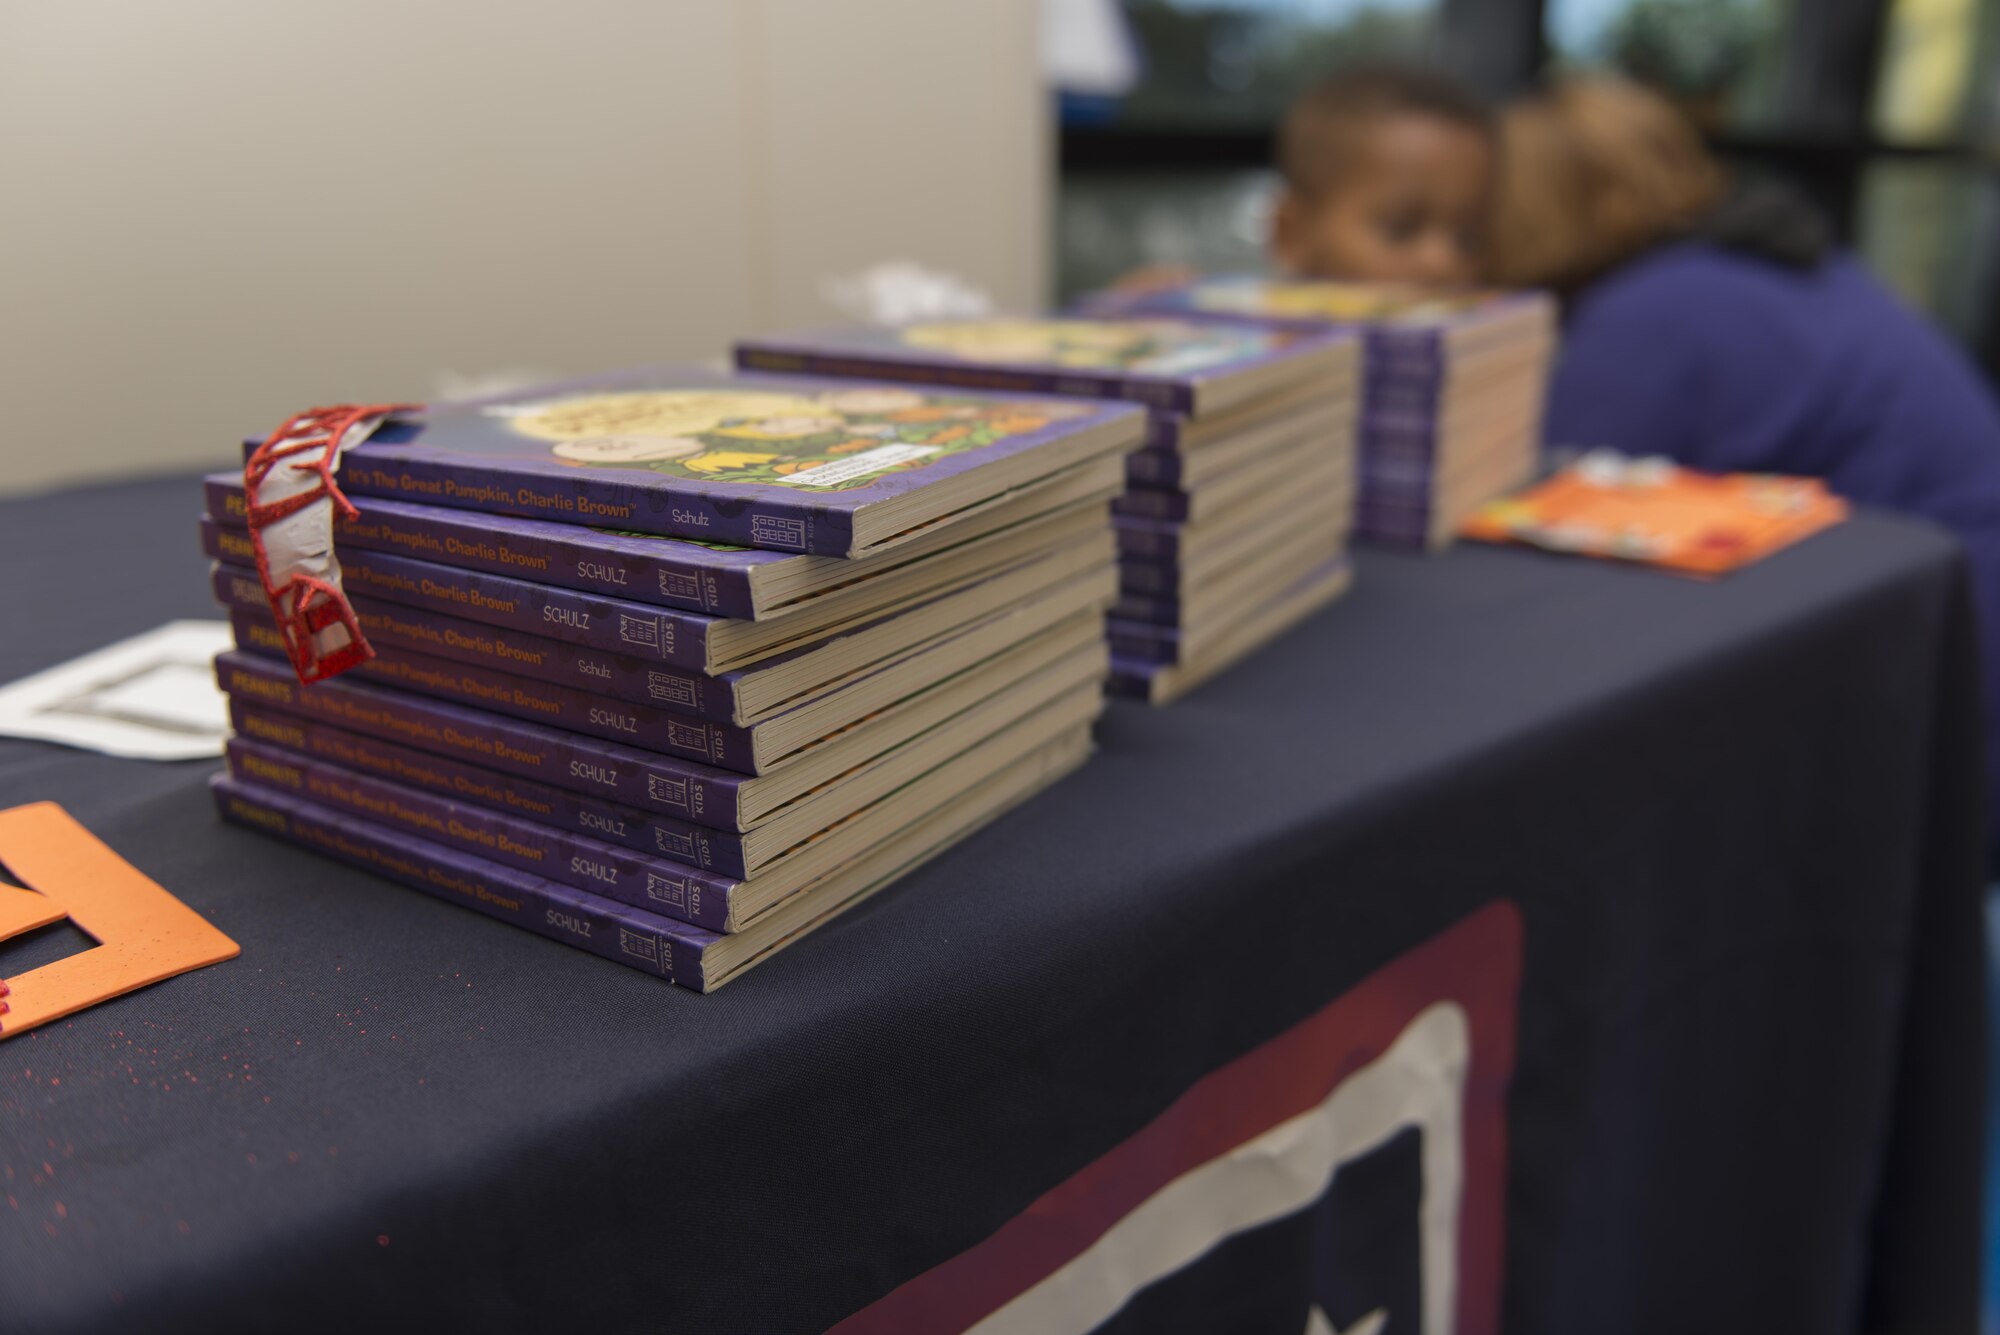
[1393, 526]
[1395, 476]
[613, 625]
[1155, 609]
[1148, 539]
[1153, 503]
[1494, 469]
[1131, 678]
[743, 697]
[392, 629]
[1401, 395]
[1150, 665]
[1406, 330]
[658, 886]
[1181, 366]
[1165, 431]
[392, 626]
[1399, 437]
[626, 774]
[1143, 641]
[1407, 398]
[787, 464]
[1153, 468]
[718, 851]
[668, 572]
[647, 941]
[1146, 578]
[724, 745]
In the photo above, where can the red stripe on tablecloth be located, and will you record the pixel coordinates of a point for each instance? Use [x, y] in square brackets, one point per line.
[1476, 963]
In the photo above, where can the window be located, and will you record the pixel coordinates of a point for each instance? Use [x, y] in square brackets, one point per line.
[1236, 64]
[1720, 59]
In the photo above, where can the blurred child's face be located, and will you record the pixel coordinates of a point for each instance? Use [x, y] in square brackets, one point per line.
[1409, 205]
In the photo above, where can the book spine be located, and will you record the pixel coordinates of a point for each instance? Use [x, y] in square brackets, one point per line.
[1155, 611]
[643, 941]
[1153, 468]
[1395, 472]
[564, 760]
[1409, 492]
[640, 505]
[1149, 579]
[682, 841]
[1130, 679]
[1392, 527]
[477, 542]
[722, 745]
[1390, 498]
[1375, 452]
[1148, 503]
[671, 889]
[1410, 397]
[229, 545]
[1146, 643]
[222, 496]
[1397, 452]
[1389, 345]
[611, 625]
[1164, 431]
[1148, 541]
[1421, 431]
[1172, 396]
[389, 627]
[1425, 419]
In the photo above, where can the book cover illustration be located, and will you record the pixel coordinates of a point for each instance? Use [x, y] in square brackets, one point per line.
[835, 440]
[1324, 302]
[779, 463]
[1340, 303]
[1140, 347]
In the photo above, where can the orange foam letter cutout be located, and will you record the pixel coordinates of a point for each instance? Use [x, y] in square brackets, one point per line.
[144, 934]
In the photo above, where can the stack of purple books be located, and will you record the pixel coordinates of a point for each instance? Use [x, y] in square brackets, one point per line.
[675, 665]
[1451, 409]
[1236, 515]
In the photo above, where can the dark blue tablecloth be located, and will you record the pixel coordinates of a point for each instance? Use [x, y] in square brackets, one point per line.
[1738, 826]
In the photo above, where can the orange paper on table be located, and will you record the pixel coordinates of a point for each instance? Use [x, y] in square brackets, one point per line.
[144, 934]
[1655, 513]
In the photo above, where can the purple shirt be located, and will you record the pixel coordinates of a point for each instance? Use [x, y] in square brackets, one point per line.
[1730, 363]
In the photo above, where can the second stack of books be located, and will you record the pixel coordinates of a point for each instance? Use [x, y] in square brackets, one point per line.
[673, 751]
[1451, 409]
[1235, 520]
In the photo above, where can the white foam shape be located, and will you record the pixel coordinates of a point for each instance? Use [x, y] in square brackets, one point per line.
[151, 697]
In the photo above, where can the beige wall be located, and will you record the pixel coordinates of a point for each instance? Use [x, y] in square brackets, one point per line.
[528, 186]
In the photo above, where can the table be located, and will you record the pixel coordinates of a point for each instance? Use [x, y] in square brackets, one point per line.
[1698, 865]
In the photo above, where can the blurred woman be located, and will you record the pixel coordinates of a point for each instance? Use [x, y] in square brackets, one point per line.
[1720, 327]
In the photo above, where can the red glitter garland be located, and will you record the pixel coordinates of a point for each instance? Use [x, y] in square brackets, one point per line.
[315, 605]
